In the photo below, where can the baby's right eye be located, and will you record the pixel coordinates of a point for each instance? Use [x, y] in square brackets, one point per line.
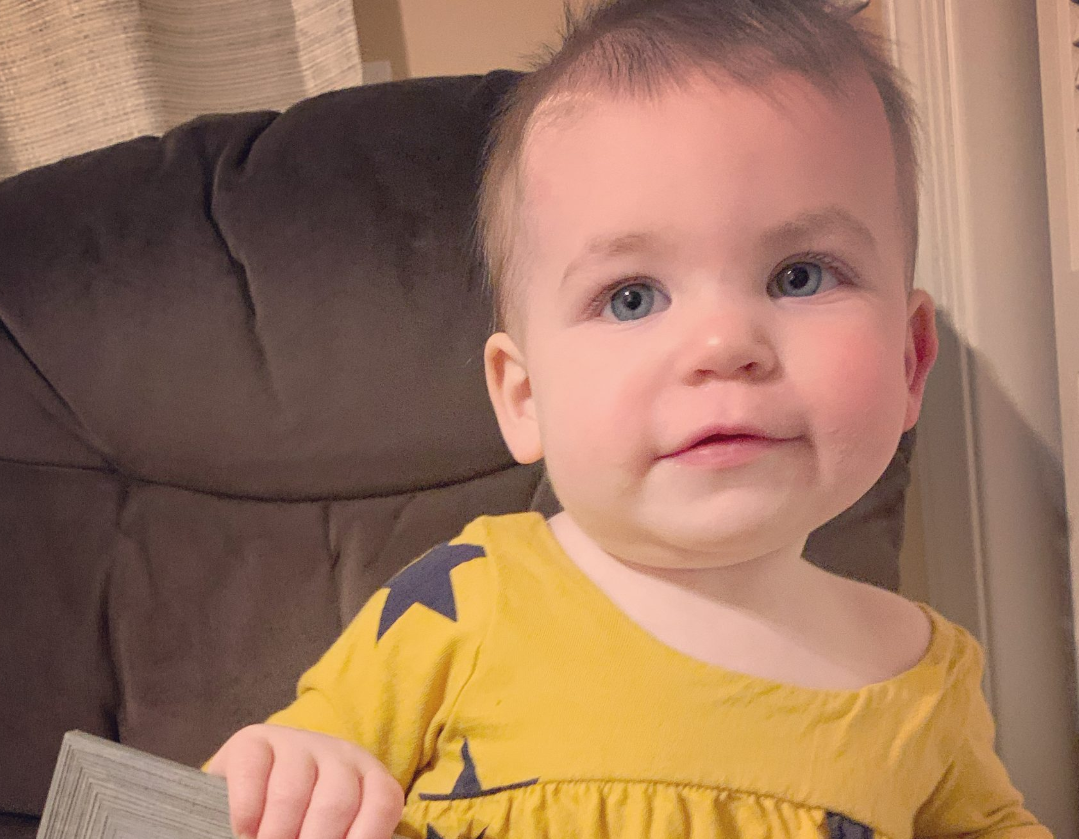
[634, 301]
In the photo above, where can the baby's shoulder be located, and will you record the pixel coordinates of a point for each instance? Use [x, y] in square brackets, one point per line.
[896, 633]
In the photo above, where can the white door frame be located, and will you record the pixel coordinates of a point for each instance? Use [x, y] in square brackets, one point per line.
[989, 462]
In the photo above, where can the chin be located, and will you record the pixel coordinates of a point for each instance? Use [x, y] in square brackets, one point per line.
[688, 544]
[695, 535]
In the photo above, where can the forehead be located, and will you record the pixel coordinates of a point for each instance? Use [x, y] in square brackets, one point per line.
[719, 161]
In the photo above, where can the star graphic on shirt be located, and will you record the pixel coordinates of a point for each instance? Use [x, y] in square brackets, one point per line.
[842, 827]
[426, 582]
[468, 783]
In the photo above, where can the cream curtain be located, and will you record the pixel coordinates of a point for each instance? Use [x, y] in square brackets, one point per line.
[80, 74]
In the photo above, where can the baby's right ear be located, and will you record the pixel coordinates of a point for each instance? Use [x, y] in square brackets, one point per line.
[510, 390]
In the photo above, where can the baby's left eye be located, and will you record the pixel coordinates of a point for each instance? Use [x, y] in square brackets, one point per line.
[802, 279]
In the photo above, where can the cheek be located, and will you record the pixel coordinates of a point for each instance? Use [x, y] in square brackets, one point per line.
[856, 403]
[592, 406]
[857, 381]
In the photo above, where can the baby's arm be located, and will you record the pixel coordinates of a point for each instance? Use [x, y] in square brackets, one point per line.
[333, 764]
[975, 798]
[285, 783]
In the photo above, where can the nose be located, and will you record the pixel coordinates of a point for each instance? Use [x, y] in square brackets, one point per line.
[728, 339]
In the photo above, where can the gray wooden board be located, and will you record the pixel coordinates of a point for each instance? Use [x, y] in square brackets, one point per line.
[104, 790]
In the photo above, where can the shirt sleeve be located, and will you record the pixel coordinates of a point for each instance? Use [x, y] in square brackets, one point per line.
[975, 798]
[390, 680]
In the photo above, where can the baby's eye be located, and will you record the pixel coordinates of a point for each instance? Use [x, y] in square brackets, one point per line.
[634, 301]
[802, 279]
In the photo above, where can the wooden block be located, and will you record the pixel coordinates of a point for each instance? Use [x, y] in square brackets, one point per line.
[103, 790]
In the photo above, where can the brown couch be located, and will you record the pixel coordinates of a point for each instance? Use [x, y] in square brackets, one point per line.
[240, 385]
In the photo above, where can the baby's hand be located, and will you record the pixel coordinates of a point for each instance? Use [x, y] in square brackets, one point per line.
[285, 783]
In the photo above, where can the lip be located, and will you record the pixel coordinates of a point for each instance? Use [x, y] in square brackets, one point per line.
[725, 446]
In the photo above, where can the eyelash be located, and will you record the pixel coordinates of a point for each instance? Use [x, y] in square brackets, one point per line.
[600, 300]
[841, 271]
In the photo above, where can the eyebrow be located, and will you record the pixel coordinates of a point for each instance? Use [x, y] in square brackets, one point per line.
[830, 220]
[610, 246]
[827, 220]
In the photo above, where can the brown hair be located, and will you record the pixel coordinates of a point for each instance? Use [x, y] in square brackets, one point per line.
[641, 47]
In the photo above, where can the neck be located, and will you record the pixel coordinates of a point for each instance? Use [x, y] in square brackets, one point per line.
[758, 584]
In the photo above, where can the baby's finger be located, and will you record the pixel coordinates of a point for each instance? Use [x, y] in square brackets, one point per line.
[381, 804]
[246, 773]
[287, 795]
[334, 802]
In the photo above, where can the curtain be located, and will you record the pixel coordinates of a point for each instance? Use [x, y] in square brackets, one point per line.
[80, 74]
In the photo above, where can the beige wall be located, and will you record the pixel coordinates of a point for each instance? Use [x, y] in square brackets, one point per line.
[381, 35]
[448, 37]
[473, 36]
[874, 15]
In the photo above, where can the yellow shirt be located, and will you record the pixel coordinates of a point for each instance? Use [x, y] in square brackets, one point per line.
[511, 698]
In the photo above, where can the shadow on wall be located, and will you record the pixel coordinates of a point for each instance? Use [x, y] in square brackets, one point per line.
[382, 34]
[996, 522]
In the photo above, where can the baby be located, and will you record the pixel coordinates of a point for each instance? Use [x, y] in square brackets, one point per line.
[699, 219]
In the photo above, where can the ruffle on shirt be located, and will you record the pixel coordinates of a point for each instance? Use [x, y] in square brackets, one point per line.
[624, 810]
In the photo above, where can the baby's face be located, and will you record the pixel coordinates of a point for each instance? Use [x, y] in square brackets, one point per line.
[717, 351]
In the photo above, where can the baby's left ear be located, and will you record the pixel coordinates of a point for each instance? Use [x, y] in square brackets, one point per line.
[510, 390]
[921, 350]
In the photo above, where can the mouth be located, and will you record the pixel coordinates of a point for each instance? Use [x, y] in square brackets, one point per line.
[724, 447]
[721, 437]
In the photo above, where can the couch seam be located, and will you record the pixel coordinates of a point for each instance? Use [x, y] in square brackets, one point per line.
[300, 499]
[83, 431]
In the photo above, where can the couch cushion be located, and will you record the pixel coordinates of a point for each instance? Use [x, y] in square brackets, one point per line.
[242, 383]
[222, 308]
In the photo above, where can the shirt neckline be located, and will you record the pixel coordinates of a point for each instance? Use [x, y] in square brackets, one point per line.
[929, 664]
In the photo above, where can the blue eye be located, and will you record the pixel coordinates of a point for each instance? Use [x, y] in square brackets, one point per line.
[633, 301]
[801, 279]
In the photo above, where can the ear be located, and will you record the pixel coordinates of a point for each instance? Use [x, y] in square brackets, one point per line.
[510, 390]
[921, 351]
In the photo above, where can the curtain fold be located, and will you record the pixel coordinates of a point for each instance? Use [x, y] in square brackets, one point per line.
[80, 74]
